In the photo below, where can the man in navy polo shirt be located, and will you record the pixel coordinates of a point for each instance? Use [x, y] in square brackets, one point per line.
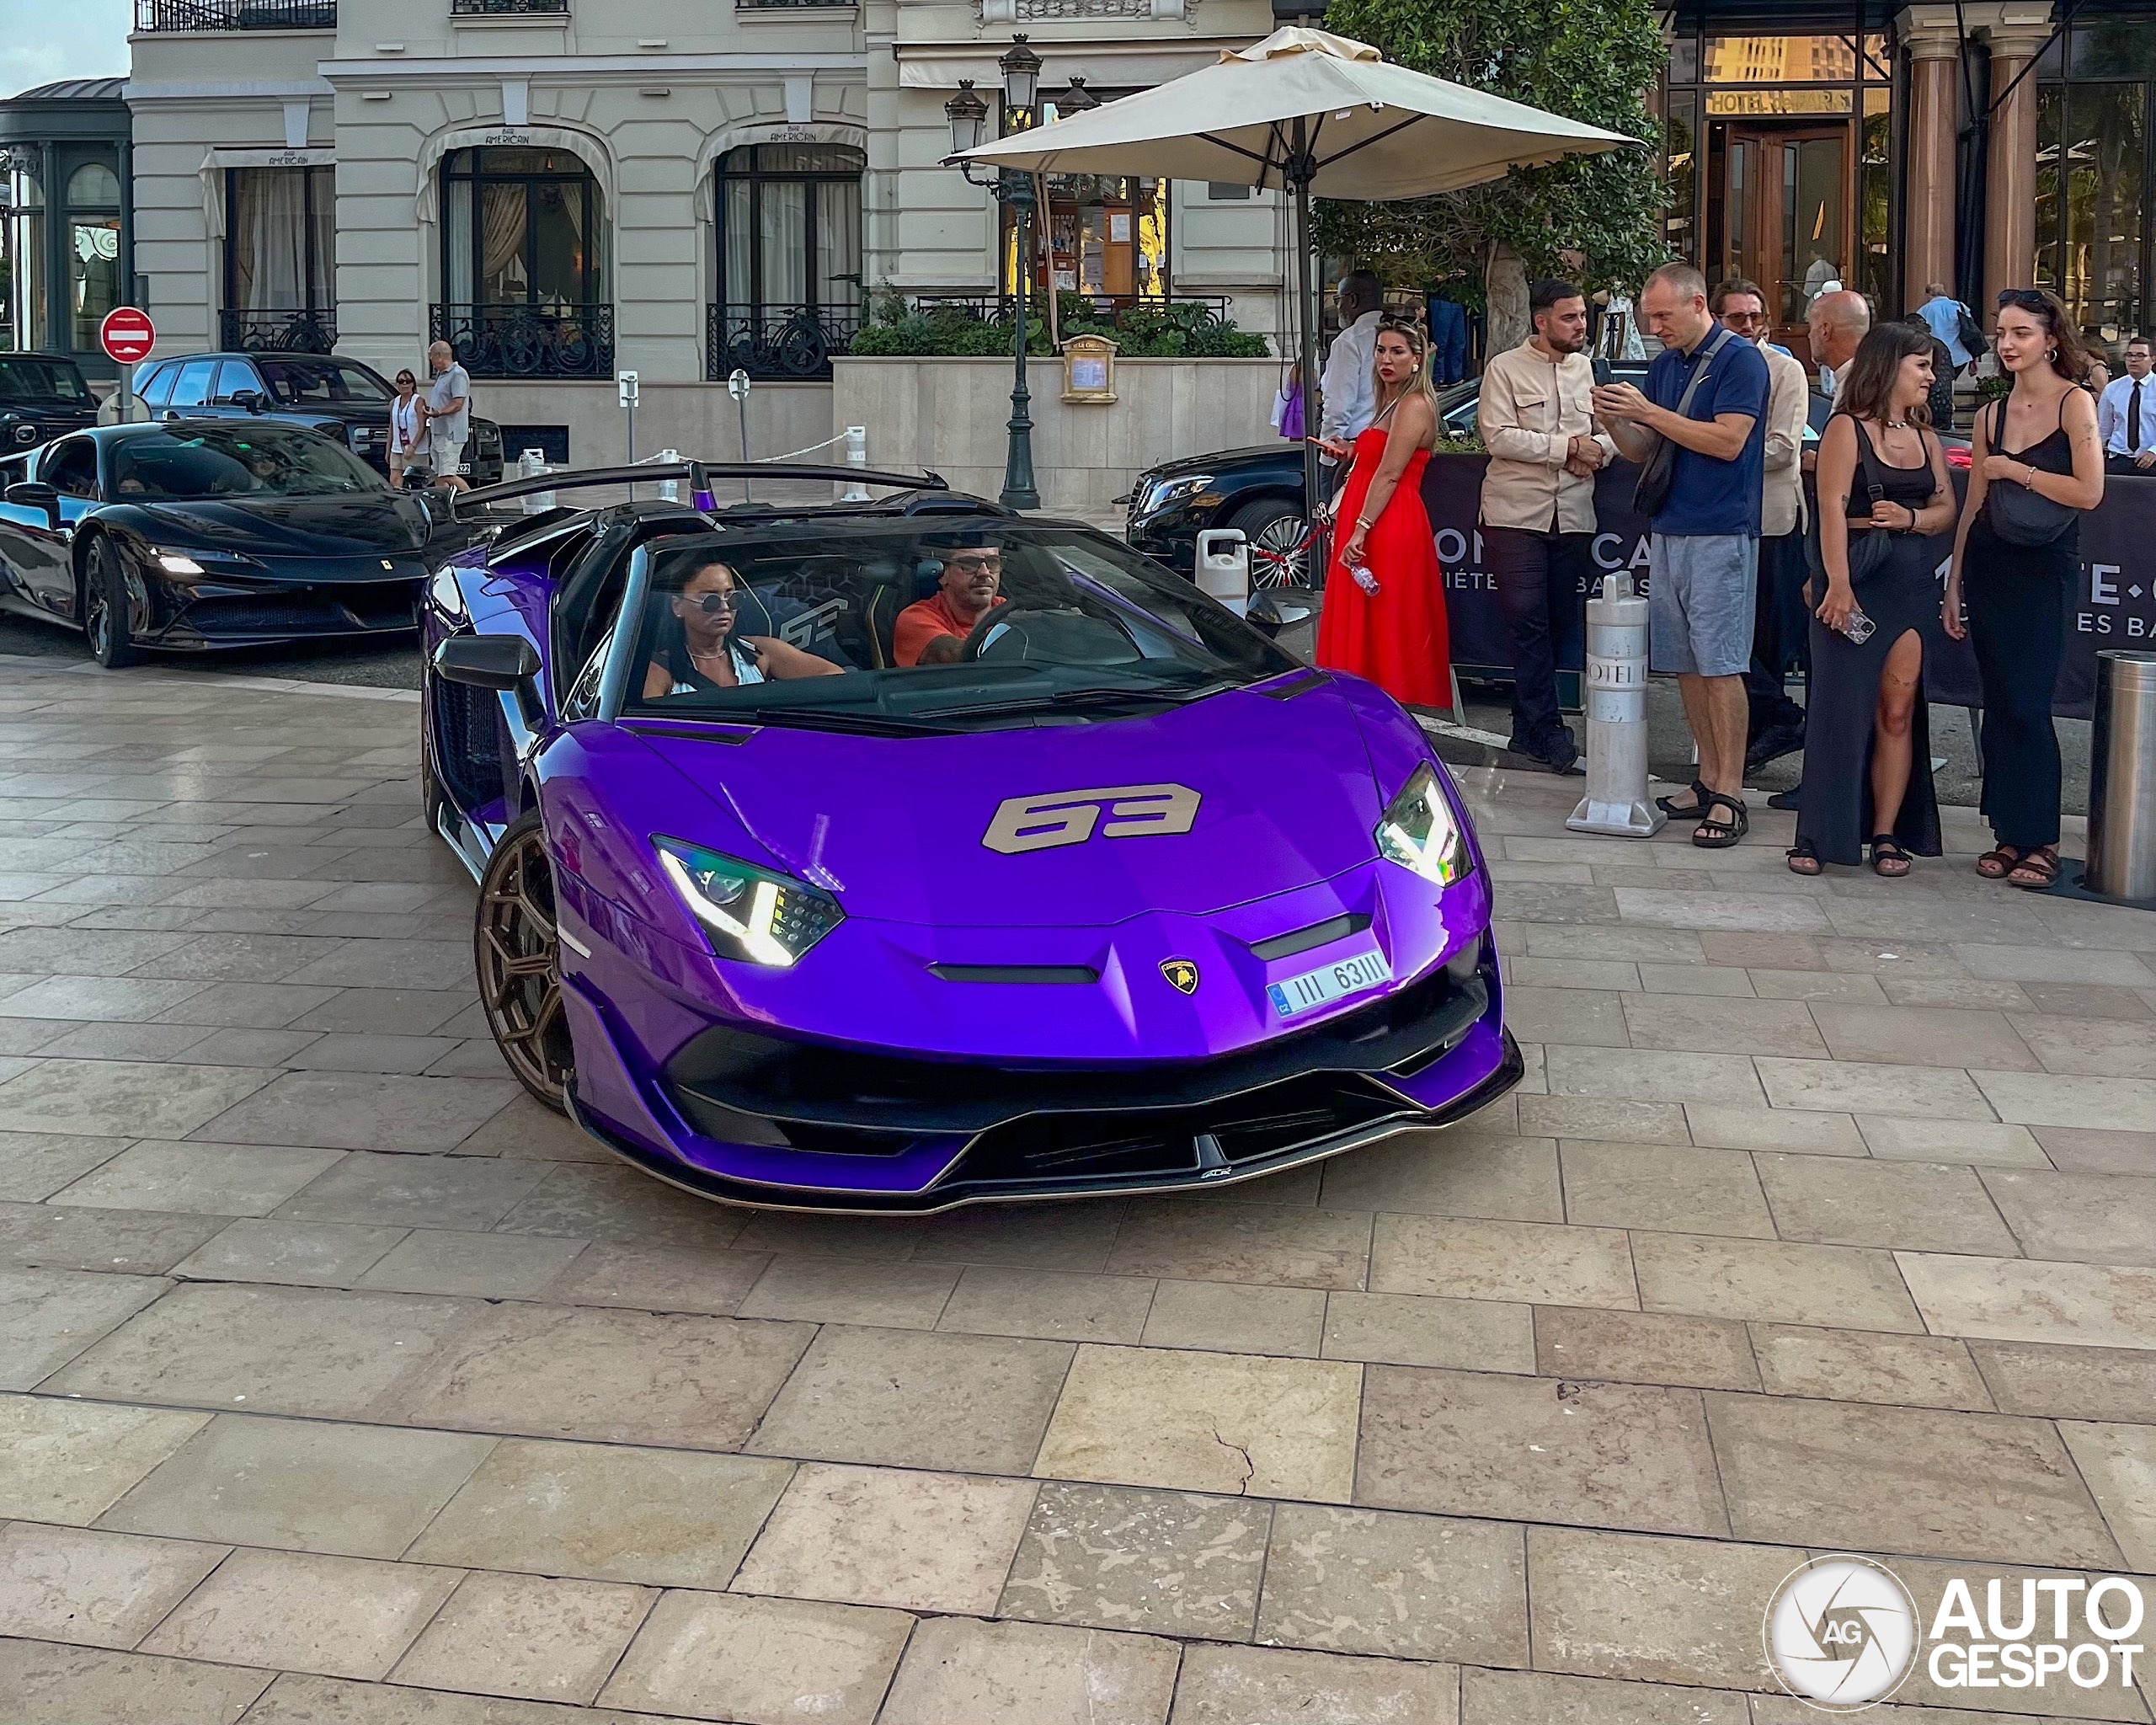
[1704, 558]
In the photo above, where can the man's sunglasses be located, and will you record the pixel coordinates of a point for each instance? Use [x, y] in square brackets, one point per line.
[993, 560]
[1743, 317]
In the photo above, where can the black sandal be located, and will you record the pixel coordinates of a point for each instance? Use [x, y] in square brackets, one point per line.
[1715, 835]
[2041, 861]
[1885, 850]
[1804, 859]
[1999, 861]
[1700, 797]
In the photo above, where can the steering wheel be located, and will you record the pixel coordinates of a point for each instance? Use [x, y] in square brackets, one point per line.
[975, 644]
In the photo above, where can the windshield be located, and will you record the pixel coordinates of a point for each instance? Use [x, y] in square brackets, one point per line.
[41, 380]
[320, 383]
[926, 624]
[247, 461]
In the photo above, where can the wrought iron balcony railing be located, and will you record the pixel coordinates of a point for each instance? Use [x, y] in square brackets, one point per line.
[989, 305]
[779, 343]
[172, 17]
[527, 341]
[508, 8]
[301, 332]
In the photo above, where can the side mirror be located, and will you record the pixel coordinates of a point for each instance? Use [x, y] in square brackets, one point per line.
[31, 493]
[504, 662]
[251, 399]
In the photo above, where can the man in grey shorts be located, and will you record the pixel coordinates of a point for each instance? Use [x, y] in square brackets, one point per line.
[1706, 395]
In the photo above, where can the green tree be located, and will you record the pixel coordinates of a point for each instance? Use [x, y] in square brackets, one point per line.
[1597, 216]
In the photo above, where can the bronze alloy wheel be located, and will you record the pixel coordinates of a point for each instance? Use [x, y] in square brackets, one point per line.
[519, 965]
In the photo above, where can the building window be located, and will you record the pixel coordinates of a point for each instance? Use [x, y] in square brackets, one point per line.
[280, 266]
[789, 259]
[94, 287]
[524, 265]
[26, 256]
[2096, 162]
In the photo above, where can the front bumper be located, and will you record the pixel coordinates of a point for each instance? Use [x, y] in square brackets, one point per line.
[762, 1121]
[218, 614]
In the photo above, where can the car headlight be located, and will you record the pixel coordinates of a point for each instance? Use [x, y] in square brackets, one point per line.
[1166, 493]
[747, 913]
[199, 561]
[1419, 831]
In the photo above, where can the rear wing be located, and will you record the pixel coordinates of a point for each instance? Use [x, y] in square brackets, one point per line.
[699, 474]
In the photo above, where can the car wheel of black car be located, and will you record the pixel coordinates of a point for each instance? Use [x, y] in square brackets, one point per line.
[1275, 531]
[106, 610]
[520, 966]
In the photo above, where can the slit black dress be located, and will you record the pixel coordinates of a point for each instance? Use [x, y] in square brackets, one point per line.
[1842, 698]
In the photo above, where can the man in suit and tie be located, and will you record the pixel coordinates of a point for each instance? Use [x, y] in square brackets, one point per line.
[2126, 415]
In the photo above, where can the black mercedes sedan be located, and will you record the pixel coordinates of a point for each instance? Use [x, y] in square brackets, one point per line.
[191, 534]
[42, 396]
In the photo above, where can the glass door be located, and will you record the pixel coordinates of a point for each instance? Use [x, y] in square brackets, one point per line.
[1788, 224]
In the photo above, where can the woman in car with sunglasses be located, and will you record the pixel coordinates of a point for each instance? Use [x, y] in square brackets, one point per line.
[705, 656]
[2037, 464]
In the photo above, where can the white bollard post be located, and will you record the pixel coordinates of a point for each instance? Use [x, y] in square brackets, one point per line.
[1223, 567]
[531, 466]
[856, 455]
[1616, 800]
[670, 491]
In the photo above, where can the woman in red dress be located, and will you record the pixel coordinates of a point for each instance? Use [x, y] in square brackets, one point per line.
[1385, 598]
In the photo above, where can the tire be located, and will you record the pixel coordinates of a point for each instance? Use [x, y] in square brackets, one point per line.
[517, 954]
[1275, 526]
[107, 622]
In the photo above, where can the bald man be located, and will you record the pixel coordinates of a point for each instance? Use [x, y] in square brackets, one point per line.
[1839, 321]
[449, 415]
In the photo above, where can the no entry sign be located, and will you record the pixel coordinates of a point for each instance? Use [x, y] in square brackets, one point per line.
[127, 335]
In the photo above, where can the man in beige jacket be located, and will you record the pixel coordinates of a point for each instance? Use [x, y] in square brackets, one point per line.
[1538, 505]
[1776, 724]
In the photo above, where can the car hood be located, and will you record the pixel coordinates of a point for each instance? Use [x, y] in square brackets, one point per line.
[1256, 454]
[898, 827]
[356, 524]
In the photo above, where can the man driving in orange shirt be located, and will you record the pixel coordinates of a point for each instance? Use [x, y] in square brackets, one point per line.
[931, 631]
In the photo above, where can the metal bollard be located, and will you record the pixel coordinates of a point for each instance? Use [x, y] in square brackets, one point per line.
[670, 491]
[1616, 800]
[2123, 778]
[856, 455]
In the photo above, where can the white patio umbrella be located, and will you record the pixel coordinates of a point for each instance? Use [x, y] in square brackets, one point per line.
[1313, 114]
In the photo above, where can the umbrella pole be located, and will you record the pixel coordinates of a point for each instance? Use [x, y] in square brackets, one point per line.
[1299, 177]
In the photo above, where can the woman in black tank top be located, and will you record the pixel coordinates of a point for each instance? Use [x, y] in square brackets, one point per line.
[1867, 734]
[2038, 463]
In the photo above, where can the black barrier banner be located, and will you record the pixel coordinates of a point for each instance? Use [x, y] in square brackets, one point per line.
[2114, 603]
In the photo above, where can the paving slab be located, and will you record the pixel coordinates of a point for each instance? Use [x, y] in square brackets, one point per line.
[775, 1662]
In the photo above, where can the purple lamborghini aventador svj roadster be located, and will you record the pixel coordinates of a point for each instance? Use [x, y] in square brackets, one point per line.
[892, 856]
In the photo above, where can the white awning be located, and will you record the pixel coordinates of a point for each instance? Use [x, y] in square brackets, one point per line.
[217, 159]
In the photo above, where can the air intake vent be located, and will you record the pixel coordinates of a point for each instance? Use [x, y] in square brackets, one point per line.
[1318, 934]
[1015, 972]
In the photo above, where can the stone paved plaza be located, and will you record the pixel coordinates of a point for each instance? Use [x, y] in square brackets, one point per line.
[348, 1387]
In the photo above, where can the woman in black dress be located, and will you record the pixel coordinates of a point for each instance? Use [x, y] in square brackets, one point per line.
[2037, 464]
[1867, 735]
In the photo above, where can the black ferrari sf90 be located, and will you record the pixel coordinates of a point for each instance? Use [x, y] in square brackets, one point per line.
[200, 533]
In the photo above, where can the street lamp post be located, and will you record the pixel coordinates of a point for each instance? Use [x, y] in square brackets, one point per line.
[1022, 76]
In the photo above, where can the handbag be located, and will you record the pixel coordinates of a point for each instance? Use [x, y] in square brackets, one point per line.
[1658, 472]
[1968, 332]
[1868, 549]
[2019, 515]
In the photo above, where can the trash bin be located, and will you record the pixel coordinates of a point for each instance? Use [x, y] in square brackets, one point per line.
[2123, 778]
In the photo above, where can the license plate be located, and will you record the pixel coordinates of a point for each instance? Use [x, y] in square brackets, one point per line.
[1328, 982]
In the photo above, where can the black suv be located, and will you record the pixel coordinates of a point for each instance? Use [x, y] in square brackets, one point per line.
[42, 396]
[338, 397]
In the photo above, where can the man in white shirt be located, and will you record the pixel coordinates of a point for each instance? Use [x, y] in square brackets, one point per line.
[1776, 724]
[2126, 415]
[449, 415]
[1349, 385]
[1536, 415]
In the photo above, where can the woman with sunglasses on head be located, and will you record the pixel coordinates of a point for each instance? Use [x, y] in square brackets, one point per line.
[1384, 602]
[1867, 736]
[706, 656]
[407, 429]
[2037, 464]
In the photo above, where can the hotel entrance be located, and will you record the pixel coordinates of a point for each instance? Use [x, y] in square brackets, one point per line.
[1780, 164]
